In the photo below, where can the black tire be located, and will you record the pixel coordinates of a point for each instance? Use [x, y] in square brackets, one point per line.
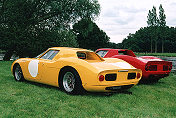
[70, 81]
[18, 74]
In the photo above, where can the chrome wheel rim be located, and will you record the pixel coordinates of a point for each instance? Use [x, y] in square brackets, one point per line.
[18, 73]
[68, 81]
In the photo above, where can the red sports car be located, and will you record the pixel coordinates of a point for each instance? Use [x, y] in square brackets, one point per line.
[153, 68]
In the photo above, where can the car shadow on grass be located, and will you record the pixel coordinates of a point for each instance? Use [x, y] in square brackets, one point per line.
[150, 82]
[108, 93]
[84, 93]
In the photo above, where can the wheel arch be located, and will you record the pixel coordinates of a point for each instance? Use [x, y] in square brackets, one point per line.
[14, 66]
[62, 70]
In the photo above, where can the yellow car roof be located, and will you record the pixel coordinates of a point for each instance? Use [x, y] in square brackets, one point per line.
[69, 48]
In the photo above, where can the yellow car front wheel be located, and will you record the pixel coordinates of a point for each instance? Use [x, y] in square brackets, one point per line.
[18, 74]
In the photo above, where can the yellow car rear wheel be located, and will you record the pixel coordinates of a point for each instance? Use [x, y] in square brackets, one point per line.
[70, 81]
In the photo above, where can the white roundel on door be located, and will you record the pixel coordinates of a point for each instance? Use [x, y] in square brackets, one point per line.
[33, 68]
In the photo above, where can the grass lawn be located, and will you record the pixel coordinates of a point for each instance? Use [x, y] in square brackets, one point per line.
[26, 99]
[157, 54]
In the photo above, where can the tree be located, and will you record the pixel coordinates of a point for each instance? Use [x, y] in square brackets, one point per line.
[38, 24]
[153, 22]
[140, 41]
[162, 24]
[150, 19]
[162, 17]
[114, 45]
[150, 23]
[89, 35]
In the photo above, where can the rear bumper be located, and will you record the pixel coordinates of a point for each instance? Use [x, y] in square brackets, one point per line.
[110, 87]
[158, 76]
[155, 75]
[119, 88]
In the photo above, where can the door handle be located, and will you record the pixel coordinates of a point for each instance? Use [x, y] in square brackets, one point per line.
[41, 63]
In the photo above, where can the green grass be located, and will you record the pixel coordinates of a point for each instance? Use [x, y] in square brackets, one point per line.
[157, 54]
[27, 99]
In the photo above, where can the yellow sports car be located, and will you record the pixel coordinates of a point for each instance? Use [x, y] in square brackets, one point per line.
[75, 70]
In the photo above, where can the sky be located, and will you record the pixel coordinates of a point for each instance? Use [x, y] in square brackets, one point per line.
[118, 18]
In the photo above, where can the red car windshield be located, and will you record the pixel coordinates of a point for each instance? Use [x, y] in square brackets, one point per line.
[102, 53]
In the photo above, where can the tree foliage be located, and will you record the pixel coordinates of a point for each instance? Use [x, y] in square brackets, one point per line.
[90, 36]
[162, 17]
[140, 41]
[29, 26]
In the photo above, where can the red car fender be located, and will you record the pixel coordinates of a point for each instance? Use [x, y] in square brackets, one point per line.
[131, 60]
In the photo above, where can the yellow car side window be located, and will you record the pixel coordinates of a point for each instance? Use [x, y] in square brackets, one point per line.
[50, 54]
